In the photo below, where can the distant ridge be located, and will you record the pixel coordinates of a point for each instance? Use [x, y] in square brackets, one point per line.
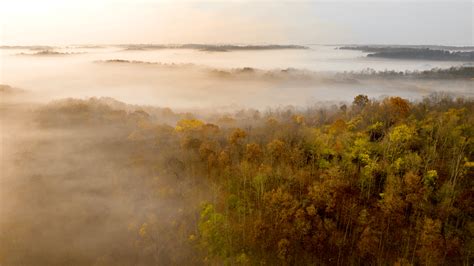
[420, 46]
[210, 47]
[438, 53]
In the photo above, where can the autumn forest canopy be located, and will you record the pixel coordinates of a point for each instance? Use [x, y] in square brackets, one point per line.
[243, 132]
[385, 181]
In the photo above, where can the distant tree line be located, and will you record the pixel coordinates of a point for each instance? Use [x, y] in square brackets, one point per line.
[414, 53]
[211, 47]
[462, 72]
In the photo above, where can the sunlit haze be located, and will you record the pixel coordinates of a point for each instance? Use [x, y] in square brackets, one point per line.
[301, 22]
[147, 132]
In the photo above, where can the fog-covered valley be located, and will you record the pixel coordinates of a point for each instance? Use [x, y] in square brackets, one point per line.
[211, 156]
[188, 78]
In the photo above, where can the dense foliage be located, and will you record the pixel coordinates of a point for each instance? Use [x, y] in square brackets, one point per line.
[379, 182]
[373, 182]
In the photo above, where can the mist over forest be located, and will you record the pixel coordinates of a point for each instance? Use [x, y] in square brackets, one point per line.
[271, 176]
[236, 133]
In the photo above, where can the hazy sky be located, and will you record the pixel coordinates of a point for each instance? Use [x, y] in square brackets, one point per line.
[299, 22]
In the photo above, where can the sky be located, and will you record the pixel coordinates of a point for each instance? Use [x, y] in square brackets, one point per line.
[63, 22]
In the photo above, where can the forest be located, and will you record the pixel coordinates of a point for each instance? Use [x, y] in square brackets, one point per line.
[236, 133]
[377, 183]
[373, 182]
[442, 53]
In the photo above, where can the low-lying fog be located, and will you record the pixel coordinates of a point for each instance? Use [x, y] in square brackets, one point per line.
[79, 185]
[80, 193]
[78, 74]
